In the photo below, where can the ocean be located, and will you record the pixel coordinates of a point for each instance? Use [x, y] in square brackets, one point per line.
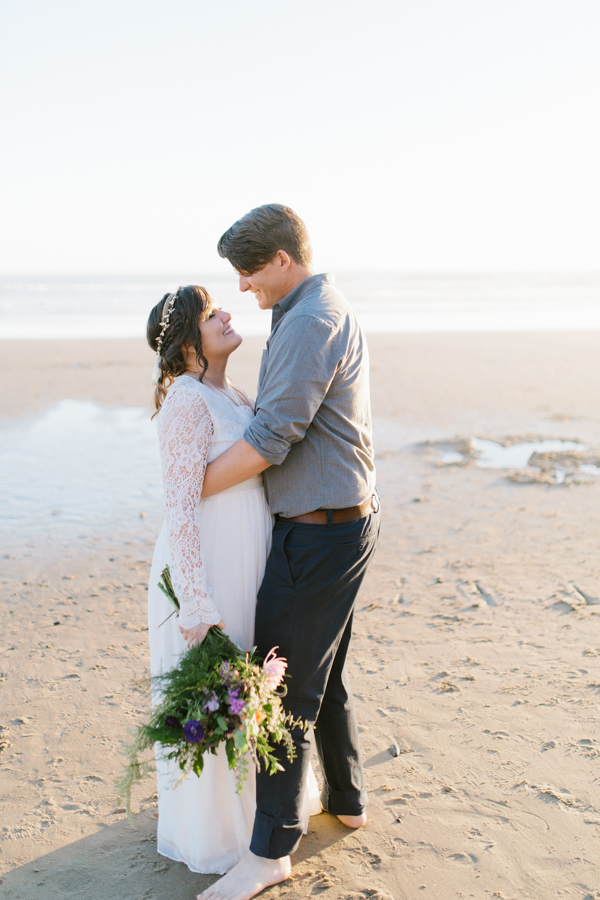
[117, 307]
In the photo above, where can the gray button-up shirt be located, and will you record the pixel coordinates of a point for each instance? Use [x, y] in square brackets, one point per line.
[313, 411]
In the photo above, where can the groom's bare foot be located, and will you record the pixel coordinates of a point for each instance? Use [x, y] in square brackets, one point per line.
[354, 821]
[251, 875]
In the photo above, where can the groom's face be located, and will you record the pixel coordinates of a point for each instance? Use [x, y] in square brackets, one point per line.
[269, 285]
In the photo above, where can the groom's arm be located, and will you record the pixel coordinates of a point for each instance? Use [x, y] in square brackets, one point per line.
[300, 370]
[237, 464]
[299, 373]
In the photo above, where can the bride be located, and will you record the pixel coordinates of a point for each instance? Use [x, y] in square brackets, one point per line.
[216, 550]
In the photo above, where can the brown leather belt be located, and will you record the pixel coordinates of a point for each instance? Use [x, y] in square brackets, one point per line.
[339, 516]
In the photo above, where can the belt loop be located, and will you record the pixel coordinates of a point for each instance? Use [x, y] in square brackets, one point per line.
[330, 518]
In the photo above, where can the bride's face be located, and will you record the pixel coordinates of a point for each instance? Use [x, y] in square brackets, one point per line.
[219, 339]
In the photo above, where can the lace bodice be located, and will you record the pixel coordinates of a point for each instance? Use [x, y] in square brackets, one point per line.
[195, 425]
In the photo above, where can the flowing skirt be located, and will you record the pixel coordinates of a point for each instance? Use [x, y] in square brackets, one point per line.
[203, 821]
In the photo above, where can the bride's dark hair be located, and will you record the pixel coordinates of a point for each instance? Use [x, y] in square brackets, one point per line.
[191, 301]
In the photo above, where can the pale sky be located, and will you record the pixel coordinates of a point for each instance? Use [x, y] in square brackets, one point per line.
[411, 135]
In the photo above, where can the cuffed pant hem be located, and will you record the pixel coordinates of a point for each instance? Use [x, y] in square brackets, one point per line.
[344, 803]
[273, 838]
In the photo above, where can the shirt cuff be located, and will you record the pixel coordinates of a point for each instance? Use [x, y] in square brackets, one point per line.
[272, 449]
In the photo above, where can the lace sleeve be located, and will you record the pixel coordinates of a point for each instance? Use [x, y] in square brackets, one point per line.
[184, 429]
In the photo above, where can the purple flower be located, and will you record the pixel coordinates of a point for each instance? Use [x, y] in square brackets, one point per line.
[212, 704]
[173, 722]
[193, 731]
[236, 705]
[226, 672]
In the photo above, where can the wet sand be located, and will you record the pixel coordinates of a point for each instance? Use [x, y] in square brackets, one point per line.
[476, 654]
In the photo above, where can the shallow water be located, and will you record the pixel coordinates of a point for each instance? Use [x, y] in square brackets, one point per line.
[491, 455]
[451, 457]
[517, 458]
[78, 469]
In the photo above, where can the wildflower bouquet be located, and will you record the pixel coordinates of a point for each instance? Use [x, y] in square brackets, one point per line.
[217, 694]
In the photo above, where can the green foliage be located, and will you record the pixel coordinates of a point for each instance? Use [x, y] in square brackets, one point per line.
[227, 696]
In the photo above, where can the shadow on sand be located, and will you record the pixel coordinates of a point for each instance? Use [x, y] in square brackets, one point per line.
[121, 861]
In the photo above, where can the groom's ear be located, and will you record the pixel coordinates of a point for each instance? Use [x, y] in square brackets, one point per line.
[282, 259]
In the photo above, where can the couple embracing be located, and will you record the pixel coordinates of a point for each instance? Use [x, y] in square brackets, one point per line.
[271, 519]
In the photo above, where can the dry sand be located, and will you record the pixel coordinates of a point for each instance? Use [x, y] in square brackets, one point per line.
[476, 649]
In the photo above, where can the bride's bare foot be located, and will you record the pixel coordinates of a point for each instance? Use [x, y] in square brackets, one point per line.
[251, 875]
[354, 821]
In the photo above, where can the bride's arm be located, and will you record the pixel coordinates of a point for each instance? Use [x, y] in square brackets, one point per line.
[238, 463]
[185, 429]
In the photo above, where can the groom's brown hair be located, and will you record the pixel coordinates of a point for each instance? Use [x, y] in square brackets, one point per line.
[254, 240]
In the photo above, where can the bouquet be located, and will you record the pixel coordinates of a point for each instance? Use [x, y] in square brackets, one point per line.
[218, 694]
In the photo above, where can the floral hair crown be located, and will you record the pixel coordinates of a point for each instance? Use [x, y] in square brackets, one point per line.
[164, 324]
[165, 318]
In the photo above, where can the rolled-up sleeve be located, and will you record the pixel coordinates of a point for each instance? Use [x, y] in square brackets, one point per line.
[299, 370]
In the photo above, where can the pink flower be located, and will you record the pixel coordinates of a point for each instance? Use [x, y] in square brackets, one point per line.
[275, 667]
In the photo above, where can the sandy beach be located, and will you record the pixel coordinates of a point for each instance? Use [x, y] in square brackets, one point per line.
[475, 661]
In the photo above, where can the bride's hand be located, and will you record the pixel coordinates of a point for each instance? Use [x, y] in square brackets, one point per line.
[194, 636]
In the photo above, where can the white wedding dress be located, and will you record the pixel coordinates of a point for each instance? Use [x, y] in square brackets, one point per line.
[216, 550]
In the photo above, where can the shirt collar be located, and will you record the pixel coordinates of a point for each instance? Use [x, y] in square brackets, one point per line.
[298, 294]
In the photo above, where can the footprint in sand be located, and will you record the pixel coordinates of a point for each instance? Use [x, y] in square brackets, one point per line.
[369, 894]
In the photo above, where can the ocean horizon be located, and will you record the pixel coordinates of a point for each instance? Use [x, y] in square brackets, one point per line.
[78, 307]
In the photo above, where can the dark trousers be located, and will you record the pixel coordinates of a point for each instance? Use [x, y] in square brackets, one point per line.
[305, 607]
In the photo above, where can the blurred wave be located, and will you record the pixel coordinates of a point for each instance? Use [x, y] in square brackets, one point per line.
[117, 307]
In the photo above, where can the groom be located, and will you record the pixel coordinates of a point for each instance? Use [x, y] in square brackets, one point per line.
[311, 437]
